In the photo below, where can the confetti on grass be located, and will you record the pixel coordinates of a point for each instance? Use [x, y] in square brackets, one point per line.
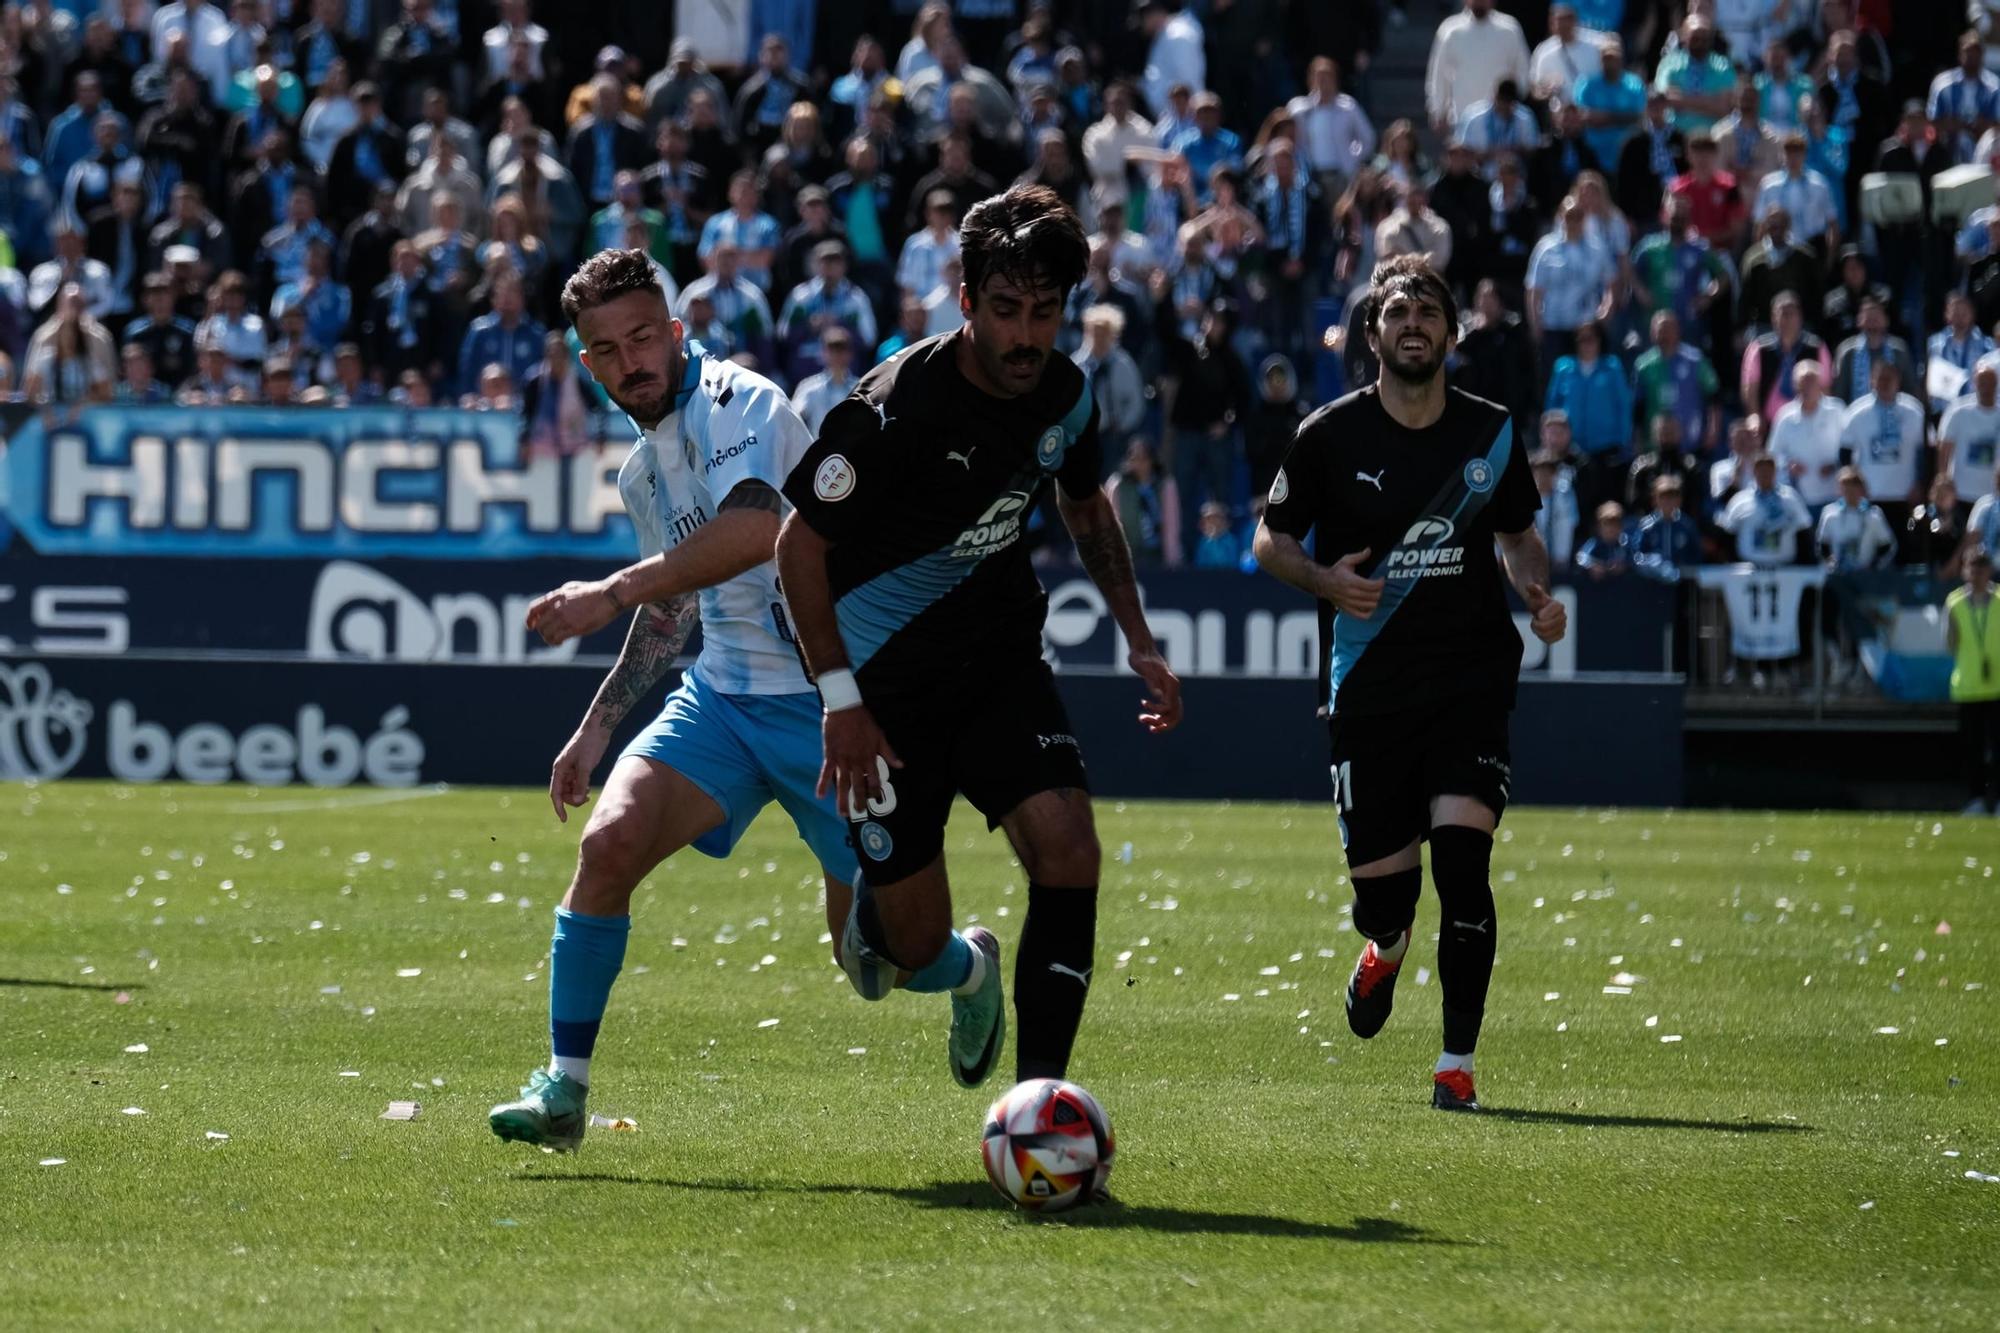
[402, 1111]
[620, 1124]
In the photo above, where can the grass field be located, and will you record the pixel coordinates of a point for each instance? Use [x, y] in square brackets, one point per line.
[221, 958]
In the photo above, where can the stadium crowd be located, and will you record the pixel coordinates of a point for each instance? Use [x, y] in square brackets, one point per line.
[1694, 240]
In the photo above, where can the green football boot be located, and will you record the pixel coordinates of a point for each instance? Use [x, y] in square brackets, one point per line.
[979, 1020]
[549, 1115]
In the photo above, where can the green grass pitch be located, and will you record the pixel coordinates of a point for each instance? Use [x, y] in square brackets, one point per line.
[1772, 1129]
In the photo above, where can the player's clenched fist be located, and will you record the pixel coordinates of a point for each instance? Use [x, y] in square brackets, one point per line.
[1546, 615]
[1348, 590]
[858, 760]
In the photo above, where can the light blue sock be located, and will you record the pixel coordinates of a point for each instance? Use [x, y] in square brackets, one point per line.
[946, 971]
[584, 957]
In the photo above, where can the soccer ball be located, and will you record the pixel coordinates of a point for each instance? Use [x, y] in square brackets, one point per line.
[1047, 1145]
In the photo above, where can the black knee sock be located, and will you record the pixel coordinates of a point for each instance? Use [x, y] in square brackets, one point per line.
[1385, 905]
[1052, 977]
[1460, 860]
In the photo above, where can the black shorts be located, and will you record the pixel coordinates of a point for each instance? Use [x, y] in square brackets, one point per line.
[999, 737]
[1387, 769]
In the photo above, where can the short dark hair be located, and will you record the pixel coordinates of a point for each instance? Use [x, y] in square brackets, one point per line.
[1402, 272]
[1027, 234]
[606, 276]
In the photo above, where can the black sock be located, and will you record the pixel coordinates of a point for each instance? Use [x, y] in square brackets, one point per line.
[1460, 861]
[1385, 905]
[1052, 978]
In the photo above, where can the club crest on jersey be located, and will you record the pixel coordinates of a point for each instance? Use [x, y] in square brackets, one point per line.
[1049, 449]
[875, 841]
[1281, 487]
[835, 479]
[1479, 476]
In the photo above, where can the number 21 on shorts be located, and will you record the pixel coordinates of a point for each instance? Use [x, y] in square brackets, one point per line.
[1343, 786]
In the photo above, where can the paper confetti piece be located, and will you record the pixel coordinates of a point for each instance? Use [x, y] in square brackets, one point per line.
[621, 1124]
[402, 1111]
[857, 1050]
[409, 971]
[350, 1073]
[133, 1110]
[53, 1161]
[137, 1048]
[216, 1136]
[1887, 1032]
[768, 1023]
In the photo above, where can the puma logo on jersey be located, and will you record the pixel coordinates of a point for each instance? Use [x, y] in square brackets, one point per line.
[1083, 976]
[1480, 929]
[882, 411]
[965, 458]
[1375, 481]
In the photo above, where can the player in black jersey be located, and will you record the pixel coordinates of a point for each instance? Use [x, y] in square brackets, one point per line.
[921, 619]
[1405, 486]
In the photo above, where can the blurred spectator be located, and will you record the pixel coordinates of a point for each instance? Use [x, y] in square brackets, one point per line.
[606, 229]
[505, 337]
[412, 390]
[1496, 359]
[680, 189]
[331, 114]
[351, 386]
[1292, 213]
[1934, 536]
[1402, 158]
[867, 72]
[1674, 379]
[1116, 385]
[1751, 150]
[310, 362]
[943, 310]
[1766, 519]
[815, 226]
[1208, 144]
[547, 191]
[215, 379]
[605, 142]
[71, 358]
[1805, 196]
[1697, 79]
[1969, 436]
[366, 157]
[117, 238]
[1148, 507]
[522, 94]
[1607, 553]
[1570, 283]
[87, 187]
[136, 385]
[1468, 204]
[1715, 205]
[1775, 265]
[1216, 547]
[1208, 396]
[1565, 160]
[752, 233]
[1564, 58]
[276, 385]
[1176, 54]
[1852, 533]
[1413, 229]
[233, 323]
[327, 39]
[495, 392]
[825, 301]
[1613, 102]
[1730, 475]
[514, 25]
[558, 416]
[190, 223]
[909, 328]
[165, 337]
[1274, 422]
[265, 113]
[1965, 102]
[1668, 457]
[24, 205]
[1107, 142]
[668, 92]
[1667, 541]
[281, 253]
[817, 393]
[1973, 640]
[1558, 518]
[522, 250]
[1883, 436]
[1335, 134]
[1651, 160]
[1590, 388]
[711, 141]
[1499, 125]
[926, 251]
[763, 100]
[1855, 100]
[71, 134]
[1472, 51]
[412, 54]
[1768, 378]
[402, 326]
[367, 241]
[1953, 351]
[438, 122]
[801, 149]
[70, 265]
[1054, 167]
[1132, 255]
[736, 305]
[1982, 526]
[450, 258]
[1781, 89]
[1854, 363]
[1806, 434]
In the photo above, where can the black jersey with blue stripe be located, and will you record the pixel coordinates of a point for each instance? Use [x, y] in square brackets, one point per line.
[924, 486]
[1426, 505]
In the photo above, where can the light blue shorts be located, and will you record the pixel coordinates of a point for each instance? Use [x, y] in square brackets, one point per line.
[745, 751]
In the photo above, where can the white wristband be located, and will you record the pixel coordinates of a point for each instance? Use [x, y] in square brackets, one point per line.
[838, 691]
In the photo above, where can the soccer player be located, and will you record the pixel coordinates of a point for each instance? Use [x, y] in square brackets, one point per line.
[701, 485]
[921, 617]
[1405, 486]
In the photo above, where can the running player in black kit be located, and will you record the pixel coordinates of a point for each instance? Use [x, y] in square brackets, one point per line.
[1407, 485]
[921, 620]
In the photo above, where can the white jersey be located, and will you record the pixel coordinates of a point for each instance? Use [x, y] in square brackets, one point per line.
[1813, 442]
[1886, 440]
[729, 425]
[1765, 524]
[1974, 431]
[1854, 537]
[1983, 525]
[1763, 607]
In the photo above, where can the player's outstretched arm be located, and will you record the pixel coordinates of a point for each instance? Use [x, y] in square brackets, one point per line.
[1100, 545]
[658, 633]
[741, 537]
[1527, 562]
[858, 757]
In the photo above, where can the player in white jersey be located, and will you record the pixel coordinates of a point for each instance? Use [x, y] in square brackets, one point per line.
[1968, 436]
[716, 441]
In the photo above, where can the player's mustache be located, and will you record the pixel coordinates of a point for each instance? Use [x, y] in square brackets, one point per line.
[1026, 356]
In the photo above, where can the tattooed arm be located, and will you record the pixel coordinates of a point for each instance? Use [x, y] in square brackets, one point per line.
[1100, 545]
[658, 633]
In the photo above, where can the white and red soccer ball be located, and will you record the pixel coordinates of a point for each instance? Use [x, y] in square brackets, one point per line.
[1047, 1145]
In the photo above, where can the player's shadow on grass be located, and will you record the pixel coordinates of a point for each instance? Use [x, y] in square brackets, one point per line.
[67, 985]
[969, 1197]
[1522, 1115]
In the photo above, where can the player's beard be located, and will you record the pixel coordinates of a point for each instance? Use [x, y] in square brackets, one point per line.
[651, 400]
[1421, 370]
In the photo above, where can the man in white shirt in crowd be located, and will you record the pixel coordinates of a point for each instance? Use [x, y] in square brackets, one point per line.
[1472, 52]
[1951, 354]
[1335, 135]
[1805, 437]
[817, 394]
[1568, 55]
[1766, 519]
[1853, 534]
[1969, 433]
[926, 252]
[1105, 142]
[1883, 437]
[1177, 52]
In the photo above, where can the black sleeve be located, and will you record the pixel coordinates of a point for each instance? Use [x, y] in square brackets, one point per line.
[1517, 500]
[1294, 504]
[848, 475]
[1083, 464]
